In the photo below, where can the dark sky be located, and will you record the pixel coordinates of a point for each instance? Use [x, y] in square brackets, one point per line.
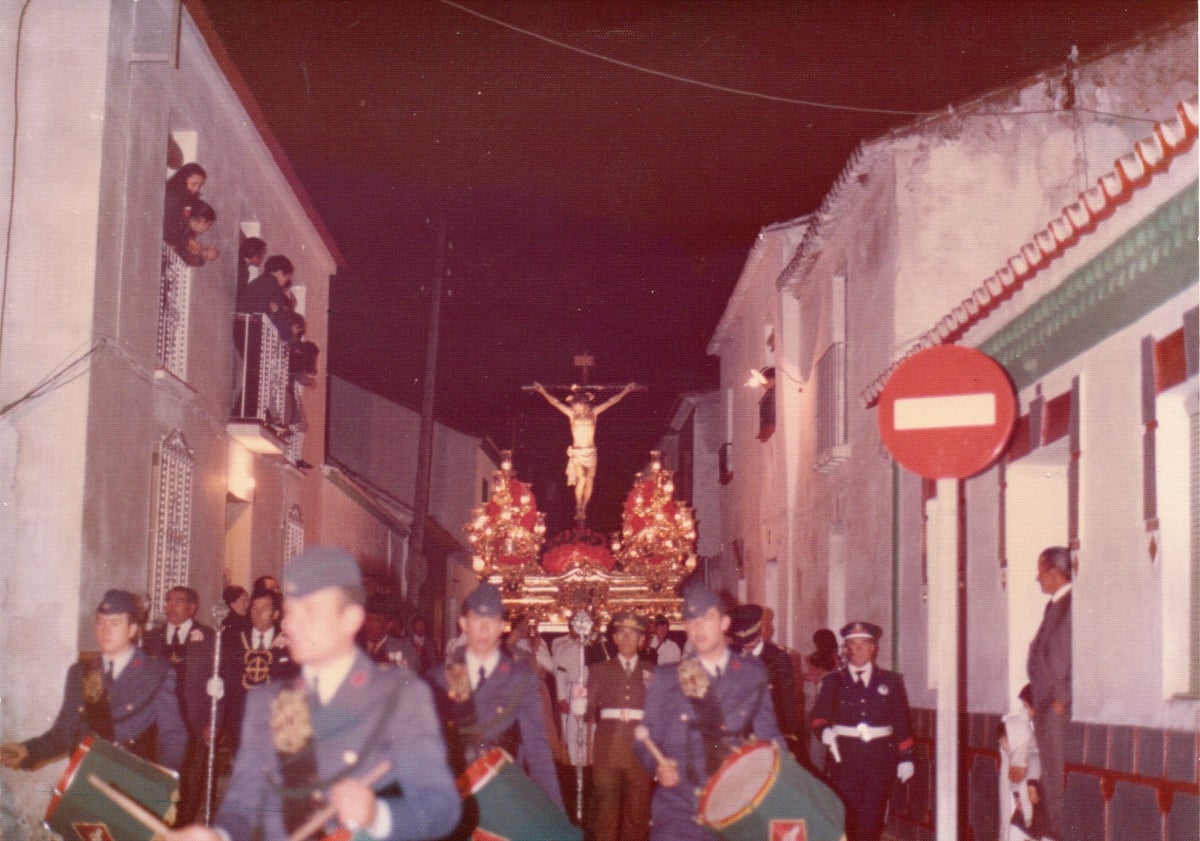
[592, 206]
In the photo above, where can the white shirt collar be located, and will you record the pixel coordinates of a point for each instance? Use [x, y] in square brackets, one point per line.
[330, 676]
[182, 628]
[758, 648]
[629, 663]
[119, 662]
[267, 637]
[865, 672]
[721, 663]
[489, 664]
[1060, 592]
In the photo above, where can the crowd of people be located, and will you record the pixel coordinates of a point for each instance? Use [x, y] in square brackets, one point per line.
[264, 287]
[326, 703]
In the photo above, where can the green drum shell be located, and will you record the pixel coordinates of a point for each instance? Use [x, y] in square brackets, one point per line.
[513, 806]
[788, 793]
[77, 802]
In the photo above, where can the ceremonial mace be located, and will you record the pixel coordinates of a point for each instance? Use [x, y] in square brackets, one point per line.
[581, 624]
[216, 691]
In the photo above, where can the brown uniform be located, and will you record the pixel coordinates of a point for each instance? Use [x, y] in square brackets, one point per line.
[621, 784]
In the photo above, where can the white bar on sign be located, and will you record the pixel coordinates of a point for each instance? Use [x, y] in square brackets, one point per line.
[945, 411]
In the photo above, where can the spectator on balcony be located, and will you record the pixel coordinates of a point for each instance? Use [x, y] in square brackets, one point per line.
[302, 368]
[268, 294]
[198, 218]
[183, 191]
[251, 254]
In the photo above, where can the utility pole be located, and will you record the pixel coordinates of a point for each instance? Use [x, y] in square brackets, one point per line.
[417, 565]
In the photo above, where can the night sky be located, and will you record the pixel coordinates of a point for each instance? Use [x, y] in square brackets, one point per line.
[592, 206]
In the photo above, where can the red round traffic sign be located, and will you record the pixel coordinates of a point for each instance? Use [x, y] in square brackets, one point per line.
[947, 412]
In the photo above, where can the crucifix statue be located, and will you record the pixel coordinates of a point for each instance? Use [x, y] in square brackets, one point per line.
[582, 414]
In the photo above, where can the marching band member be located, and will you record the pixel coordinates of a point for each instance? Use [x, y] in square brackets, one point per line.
[309, 742]
[125, 697]
[697, 711]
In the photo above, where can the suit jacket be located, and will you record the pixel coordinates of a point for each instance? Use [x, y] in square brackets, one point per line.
[193, 662]
[787, 697]
[1049, 661]
[609, 687]
[240, 673]
[423, 657]
[141, 698]
[419, 788]
[506, 708]
[746, 710]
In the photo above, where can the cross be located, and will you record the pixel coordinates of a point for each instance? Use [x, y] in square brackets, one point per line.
[584, 362]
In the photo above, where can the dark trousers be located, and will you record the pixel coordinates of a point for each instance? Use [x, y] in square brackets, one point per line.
[193, 780]
[1050, 730]
[621, 803]
[863, 780]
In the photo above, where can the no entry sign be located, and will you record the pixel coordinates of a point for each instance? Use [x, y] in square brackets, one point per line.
[947, 412]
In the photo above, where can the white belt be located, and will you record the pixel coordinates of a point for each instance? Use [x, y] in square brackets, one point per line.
[862, 731]
[622, 714]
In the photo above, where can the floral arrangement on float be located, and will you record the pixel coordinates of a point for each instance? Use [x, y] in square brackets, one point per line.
[578, 547]
[507, 531]
[658, 532]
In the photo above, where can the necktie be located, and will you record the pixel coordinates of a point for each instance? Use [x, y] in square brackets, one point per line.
[858, 677]
[174, 640]
[482, 677]
[262, 640]
[629, 670]
[108, 673]
[718, 671]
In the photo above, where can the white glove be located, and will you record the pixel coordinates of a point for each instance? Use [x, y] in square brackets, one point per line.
[829, 738]
[904, 771]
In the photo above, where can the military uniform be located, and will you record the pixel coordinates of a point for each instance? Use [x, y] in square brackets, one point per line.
[872, 729]
[504, 711]
[138, 710]
[698, 733]
[787, 697]
[296, 746]
[379, 713]
[620, 785]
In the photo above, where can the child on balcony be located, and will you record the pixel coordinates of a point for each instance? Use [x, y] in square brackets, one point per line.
[198, 218]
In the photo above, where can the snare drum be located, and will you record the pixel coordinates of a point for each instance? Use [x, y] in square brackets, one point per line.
[79, 811]
[761, 793]
[501, 803]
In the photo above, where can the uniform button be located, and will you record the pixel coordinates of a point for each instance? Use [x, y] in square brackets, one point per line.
[349, 757]
[683, 717]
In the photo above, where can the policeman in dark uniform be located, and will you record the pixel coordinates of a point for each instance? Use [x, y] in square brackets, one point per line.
[487, 699]
[124, 697]
[699, 710]
[861, 715]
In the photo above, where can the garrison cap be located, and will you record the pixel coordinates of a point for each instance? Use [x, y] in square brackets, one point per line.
[485, 600]
[627, 619]
[697, 599]
[119, 601]
[745, 623]
[319, 567]
[861, 630]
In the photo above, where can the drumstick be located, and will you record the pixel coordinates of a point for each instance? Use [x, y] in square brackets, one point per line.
[323, 815]
[642, 734]
[134, 809]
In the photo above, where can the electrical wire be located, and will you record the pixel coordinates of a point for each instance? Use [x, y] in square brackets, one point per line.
[810, 103]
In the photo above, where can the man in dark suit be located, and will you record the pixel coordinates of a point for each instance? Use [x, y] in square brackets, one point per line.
[125, 697]
[311, 741]
[188, 646]
[488, 699]
[616, 691]
[252, 656]
[746, 631]
[697, 712]
[861, 714]
[1049, 667]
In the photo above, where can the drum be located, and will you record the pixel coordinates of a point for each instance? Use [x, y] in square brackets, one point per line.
[503, 804]
[79, 811]
[761, 793]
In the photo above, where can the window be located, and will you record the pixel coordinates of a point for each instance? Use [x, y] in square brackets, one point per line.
[172, 488]
[832, 430]
[766, 406]
[293, 533]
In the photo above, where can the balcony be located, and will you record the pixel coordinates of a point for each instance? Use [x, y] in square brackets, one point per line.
[257, 420]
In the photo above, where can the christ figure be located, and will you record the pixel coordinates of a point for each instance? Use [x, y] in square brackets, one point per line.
[581, 455]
